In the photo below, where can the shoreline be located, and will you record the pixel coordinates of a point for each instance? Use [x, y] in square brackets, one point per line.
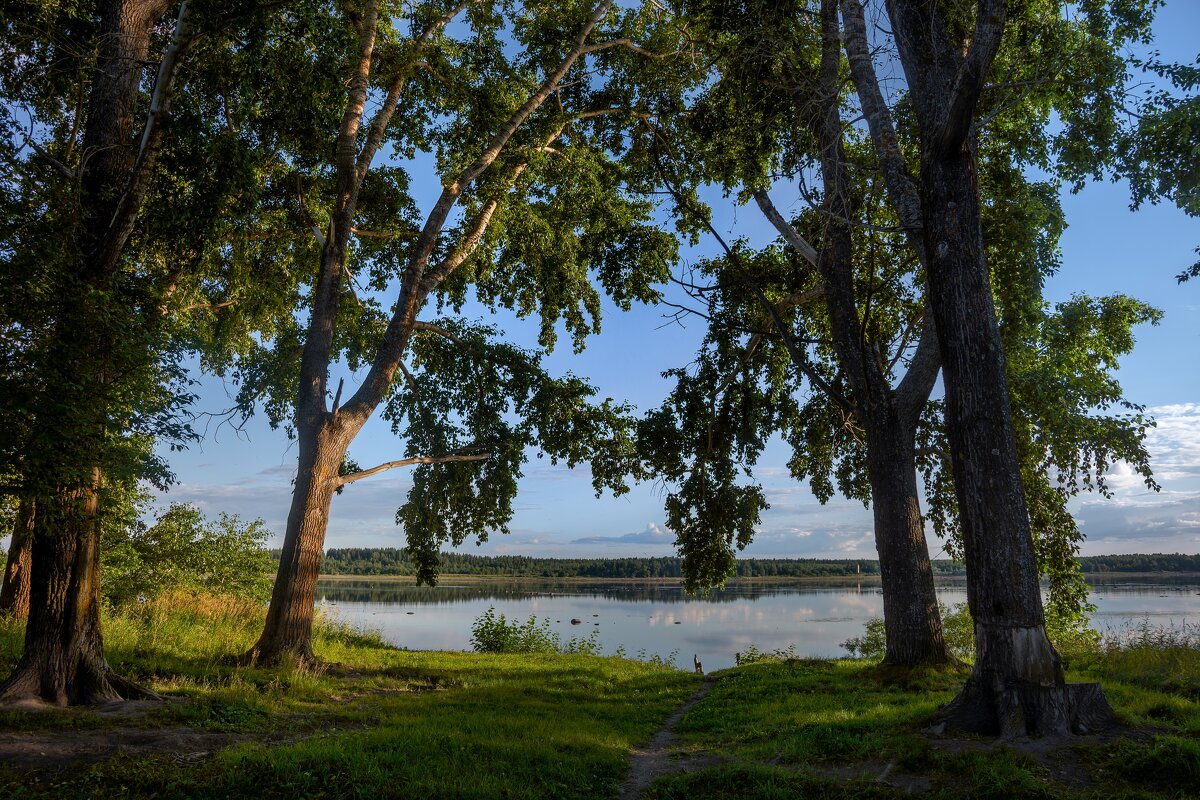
[450, 578]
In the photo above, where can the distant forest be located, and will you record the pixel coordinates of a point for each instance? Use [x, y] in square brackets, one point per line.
[395, 561]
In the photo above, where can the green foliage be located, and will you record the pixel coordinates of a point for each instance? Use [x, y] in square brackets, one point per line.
[492, 633]
[871, 644]
[470, 392]
[183, 550]
[394, 561]
[752, 655]
[1159, 151]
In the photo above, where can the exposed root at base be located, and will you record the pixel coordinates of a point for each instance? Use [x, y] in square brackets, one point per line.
[91, 685]
[1023, 709]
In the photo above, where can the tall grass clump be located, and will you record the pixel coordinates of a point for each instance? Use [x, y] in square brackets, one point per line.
[1157, 656]
[183, 624]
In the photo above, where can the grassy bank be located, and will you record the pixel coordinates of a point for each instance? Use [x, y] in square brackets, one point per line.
[788, 728]
[381, 722]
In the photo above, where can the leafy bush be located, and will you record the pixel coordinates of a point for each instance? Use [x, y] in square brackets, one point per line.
[493, 633]
[753, 654]
[183, 550]
[872, 643]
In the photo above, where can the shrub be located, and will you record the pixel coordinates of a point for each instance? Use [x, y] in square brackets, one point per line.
[752, 654]
[493, 633]
[184, 551]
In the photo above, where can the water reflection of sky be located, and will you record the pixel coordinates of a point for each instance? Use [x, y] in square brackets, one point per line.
[661, 619]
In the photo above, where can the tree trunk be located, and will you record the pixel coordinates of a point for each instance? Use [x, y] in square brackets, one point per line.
[911, 618]
[287, 635]
[14, 597]
[912, 621]
[63, 662]
[1017, 686]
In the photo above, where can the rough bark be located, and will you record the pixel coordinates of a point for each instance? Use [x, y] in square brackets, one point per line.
[912, 621]
[1017, 685]
[63, 662]
[14, 597]
[287, 634]
[324, 434]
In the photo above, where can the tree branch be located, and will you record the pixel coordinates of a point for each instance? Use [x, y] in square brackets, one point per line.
[411, 295]
[899, 181]
[379, 123]
[782, 329]
[445, 333]
[408, 462]
[959, 111]
[786, 230]
[120, 226]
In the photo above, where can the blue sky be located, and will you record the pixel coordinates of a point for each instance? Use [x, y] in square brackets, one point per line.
[1107, 249]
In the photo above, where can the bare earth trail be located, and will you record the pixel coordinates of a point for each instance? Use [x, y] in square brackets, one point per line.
[661, 756]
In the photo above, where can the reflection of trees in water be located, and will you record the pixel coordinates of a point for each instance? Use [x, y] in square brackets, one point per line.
[380, 592]
[368, 591]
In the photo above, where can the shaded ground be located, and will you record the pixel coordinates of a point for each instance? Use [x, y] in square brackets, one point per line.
[839, 730]
[134, 729]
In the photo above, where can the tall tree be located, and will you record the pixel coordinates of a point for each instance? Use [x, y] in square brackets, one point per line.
[1017, 684]
[530, 202]
[81, 354]
[14, 596]
[778, 106]
[84, 315]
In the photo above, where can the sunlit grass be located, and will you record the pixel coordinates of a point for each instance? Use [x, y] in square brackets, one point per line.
[797, 728]
[375, 722]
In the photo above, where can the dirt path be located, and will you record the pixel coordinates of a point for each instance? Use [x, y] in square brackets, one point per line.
[661, 756]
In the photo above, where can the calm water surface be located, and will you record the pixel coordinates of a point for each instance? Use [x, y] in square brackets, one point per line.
[661, 620]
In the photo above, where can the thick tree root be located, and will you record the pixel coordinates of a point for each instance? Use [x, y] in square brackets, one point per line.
[1027, 709]
[89, 684]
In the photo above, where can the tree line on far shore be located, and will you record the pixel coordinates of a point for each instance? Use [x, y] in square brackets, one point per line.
[395, 561]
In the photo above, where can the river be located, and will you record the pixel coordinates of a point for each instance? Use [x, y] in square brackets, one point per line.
[655, 619]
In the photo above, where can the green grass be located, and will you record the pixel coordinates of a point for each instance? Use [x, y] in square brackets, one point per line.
[378, 722]
[382, 722]
[799, 728]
